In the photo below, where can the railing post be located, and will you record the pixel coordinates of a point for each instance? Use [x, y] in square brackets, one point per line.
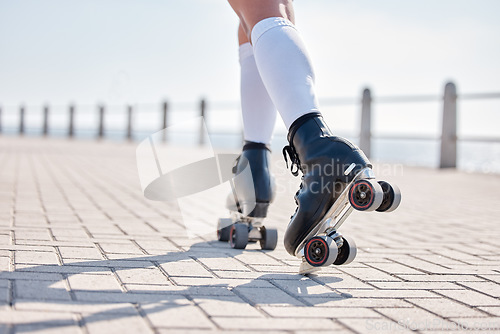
[45, 124]
[365, 129]
[21, 120]
[100, 132]
[71, 126]
[164, 125]
[130, 111]
[449, 134]
[203, 106]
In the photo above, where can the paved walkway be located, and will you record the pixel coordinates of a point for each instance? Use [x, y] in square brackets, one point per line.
[81, 251]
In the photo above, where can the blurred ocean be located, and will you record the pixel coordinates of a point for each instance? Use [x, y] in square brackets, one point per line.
[419, 121]
[472, 156]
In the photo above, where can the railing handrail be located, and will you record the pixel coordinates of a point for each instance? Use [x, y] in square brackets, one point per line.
[448, 137]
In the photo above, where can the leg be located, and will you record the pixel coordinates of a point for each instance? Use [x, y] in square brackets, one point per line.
[328, 163]
[280, 55]
[258, 111]
[254, 11]
[252, 197]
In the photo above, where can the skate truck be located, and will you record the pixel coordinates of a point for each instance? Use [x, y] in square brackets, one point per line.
[324, 245]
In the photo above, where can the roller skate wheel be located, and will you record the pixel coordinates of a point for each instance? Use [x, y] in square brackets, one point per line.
[366, 195]
[269, 238]
[347, 253]
[238, 237]
[320, 251]
[224, 229]
[392, 197]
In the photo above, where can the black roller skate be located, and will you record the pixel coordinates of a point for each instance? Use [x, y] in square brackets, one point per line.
[252, 193]
[337, 178]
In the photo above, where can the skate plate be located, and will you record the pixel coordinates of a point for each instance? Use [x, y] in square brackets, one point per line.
[306, 269]
[240, 230]
[332, 221]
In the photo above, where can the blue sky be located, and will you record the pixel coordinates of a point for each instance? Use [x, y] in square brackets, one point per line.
[142, 51]
[125, 51]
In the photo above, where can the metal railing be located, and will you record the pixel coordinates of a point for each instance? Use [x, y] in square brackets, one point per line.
[448, 137]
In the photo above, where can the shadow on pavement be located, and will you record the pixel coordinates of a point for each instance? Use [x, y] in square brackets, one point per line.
[132, 303]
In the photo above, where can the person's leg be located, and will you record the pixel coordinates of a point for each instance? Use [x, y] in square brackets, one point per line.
[328, 163]
[254, 11]
[258, 110]
[280, 55]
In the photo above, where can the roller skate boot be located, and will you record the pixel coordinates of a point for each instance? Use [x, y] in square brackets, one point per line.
[337, 178]
[253, 191]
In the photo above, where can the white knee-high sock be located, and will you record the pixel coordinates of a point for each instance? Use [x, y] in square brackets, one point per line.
[285, 68]
[259, 112]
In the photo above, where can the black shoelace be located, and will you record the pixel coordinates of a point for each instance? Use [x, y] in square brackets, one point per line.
[294, 159]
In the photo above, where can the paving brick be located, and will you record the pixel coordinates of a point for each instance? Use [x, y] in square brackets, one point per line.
[40, 290]
[480, 270]
[36, 257]
[342, 282]
[26, 248]
[267, 296]
[42, 271]
[489, 288]
[491, 310]
[478, 324]
[108, 263]
[238, 275]
[417, 286]
[41, 234]
[441, 278]
[115, 324]
[416, 319]
[4, 295]
[186, 268]
[407, 294]
[236, 323]
[305, 288]
[69, 234]
[395, 268]
[27, 274]
[369, 274]
[447, 308]
[158, 245]
[4, 263]
[221, 263]
[370, 325]
[75, 307]
[320, 312]
[275, 269]
[227, 306]
[424, 266]
[19, 317]
[469, 297]
[142, 276]
[235, 282]
[178, 314]
[62, 327]
[494, 278]
[86, 282]
[80, 253]
[124, 248]
[57, 243]
[258, 258]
